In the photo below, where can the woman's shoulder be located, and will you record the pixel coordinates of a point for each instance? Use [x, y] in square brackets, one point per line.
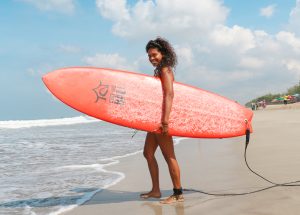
[167, 71]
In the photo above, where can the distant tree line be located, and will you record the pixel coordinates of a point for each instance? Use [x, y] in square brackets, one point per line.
[269, 97]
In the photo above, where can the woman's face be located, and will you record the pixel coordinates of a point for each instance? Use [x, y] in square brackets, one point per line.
[155, 56]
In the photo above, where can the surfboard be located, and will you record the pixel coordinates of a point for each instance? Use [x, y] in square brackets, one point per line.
[135, 100]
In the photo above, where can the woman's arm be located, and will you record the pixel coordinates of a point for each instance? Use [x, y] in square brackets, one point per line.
[168, 95]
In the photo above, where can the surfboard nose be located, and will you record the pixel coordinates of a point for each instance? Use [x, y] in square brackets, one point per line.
[51, 80]
[46, 78]
[47, 81]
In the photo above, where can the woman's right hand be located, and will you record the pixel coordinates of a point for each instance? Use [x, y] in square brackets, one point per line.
[164, 128]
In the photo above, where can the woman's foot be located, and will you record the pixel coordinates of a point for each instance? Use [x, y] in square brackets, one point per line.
[173, 199]
[150, 194]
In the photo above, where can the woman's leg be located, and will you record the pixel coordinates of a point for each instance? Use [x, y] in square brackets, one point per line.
[166, 145]
[149, 151]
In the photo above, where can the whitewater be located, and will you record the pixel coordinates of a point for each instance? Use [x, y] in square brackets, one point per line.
[13, 124]
[49, 166]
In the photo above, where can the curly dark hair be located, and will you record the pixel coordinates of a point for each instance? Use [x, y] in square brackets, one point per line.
[169, 56]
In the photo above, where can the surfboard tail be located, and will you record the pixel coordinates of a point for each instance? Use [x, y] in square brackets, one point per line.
[248, 119]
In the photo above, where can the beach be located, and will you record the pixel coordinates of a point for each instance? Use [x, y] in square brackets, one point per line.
[216, 166]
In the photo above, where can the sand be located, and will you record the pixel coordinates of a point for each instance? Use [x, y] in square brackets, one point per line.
[216, 166]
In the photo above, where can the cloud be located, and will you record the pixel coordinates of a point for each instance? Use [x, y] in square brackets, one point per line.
[115, 10]
[184, 55]
[239, 38]
[293, 65]
[294, 19]
[233, 60]
[266, 42]
[114, 61]
[268, 11]
[162, 16]
[251, 62]
[289, 39]
[62, 6]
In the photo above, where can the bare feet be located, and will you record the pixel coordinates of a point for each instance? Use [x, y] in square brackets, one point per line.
[173, 199]
[150, 194]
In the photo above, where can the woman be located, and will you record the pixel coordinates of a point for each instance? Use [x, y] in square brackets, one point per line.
[163, 58]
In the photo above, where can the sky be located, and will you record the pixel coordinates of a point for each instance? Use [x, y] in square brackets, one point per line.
[238, 49]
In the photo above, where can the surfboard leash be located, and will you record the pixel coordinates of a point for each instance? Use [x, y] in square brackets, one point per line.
[292, 183]
[274, 184]
[134, 133]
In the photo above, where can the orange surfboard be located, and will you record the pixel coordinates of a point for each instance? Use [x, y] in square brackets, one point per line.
[135, 101]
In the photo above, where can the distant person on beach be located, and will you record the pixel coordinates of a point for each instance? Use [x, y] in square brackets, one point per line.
[253, 106]
[163, 57]
[256, 105]
[285, 100]
[264, 104]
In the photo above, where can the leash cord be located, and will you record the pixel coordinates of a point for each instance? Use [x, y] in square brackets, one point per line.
[287, 184]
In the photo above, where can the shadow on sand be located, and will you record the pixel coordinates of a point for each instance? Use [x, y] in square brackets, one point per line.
[106, 197]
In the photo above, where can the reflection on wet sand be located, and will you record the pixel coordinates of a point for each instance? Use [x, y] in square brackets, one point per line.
[158, 208]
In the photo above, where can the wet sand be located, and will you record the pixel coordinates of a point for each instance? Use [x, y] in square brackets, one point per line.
[216, 166]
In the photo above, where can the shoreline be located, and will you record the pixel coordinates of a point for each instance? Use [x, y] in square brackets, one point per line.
[106, 168]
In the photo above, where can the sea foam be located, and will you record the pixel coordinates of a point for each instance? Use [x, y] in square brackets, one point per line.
[13, 124]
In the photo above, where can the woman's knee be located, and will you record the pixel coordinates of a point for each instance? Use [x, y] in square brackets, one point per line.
[170, 159]
[150, 146]
[148, 155]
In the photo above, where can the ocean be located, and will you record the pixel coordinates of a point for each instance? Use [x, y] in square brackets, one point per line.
[50, 166]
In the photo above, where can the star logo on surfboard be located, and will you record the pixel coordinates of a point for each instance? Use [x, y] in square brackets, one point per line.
[116, 96]
[101, 91]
